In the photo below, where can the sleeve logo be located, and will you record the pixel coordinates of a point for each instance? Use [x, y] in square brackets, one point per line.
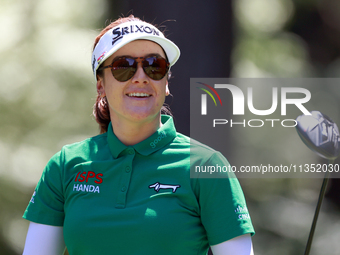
[242, 212]
[32, 198]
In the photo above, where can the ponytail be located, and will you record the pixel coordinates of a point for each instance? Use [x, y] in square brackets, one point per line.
[101, 112]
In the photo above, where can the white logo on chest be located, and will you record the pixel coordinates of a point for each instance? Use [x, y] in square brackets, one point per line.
[157, 186]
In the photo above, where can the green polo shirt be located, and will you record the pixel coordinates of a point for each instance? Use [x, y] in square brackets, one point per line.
[117, 199]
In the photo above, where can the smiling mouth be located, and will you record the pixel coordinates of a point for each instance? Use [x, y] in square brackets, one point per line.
[140, 95]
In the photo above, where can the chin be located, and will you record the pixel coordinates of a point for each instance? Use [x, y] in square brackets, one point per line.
[144, 116]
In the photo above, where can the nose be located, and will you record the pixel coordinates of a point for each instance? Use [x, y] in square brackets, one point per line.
[140, 76]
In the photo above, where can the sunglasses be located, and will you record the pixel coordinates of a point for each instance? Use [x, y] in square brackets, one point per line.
[124, 68]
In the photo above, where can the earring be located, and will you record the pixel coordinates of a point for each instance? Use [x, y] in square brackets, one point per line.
[103, 102]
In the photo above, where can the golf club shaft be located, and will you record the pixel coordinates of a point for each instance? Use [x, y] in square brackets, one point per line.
[317, 210]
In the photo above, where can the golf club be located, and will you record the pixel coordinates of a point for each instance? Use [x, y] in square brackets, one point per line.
[321, 135]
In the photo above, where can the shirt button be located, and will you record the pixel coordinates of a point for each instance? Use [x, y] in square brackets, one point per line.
[127, 169]
[131, 151]
[123, 189]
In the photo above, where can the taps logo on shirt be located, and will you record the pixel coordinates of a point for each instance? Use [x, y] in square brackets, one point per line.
[86, 177]
[242, 212]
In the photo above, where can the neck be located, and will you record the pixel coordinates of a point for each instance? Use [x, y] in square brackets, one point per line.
[131, 133]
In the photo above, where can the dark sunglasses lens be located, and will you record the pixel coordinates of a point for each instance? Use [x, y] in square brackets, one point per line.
[123, 69]
[155, 68]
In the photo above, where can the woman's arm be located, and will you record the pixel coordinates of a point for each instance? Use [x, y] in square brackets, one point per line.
[240, 245]
[44, 239]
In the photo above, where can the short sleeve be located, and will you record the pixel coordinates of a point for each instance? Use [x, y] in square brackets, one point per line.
[223, 208]
[47, 203]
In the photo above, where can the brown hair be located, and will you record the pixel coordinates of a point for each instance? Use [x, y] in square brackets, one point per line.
[101, 110]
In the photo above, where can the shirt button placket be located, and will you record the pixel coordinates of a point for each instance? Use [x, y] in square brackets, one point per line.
[121, 201]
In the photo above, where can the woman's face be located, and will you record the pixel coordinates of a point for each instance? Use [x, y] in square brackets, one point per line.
[122, 98]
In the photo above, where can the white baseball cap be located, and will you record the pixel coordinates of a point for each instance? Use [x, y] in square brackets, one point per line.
[127, 32]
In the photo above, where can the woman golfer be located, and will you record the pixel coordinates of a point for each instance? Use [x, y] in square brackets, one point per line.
[128, 190]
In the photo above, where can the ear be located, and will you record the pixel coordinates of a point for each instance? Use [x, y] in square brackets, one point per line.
[100, 86]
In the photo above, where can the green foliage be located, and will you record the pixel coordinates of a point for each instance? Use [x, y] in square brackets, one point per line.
[47, 91]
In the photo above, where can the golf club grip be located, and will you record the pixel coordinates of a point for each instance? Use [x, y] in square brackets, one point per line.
[317, 210]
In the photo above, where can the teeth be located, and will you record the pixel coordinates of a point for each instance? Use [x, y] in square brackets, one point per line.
[138, 95]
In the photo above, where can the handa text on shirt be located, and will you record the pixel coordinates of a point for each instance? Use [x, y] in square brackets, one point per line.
[118, 33]
[86, 188]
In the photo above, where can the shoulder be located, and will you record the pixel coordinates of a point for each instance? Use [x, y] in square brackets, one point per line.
[197, 150]
[94, 143]
[192, 143]
[86, 150]
[204, 161]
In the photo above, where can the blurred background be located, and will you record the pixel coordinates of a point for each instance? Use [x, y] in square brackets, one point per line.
[47, 91]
